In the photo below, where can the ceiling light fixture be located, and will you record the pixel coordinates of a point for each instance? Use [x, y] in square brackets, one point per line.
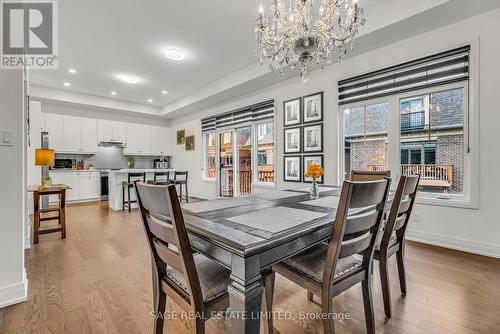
[164, 92]
[295, 36]
[150, 100]
[72, 70]
[113, 93]
[174, 54]
[67, 84]
[129, 79]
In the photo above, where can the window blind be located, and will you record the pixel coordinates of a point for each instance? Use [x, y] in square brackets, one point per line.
[442, 68]
[251, 113]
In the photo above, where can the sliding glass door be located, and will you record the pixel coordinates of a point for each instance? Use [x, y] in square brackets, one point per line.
[226, 163]
[244, 159]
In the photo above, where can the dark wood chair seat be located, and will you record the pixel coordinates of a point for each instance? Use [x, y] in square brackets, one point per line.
[214, 278]
[327, 270]
[312, 263]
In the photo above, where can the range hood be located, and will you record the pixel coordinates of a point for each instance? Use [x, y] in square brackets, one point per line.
[112, 143]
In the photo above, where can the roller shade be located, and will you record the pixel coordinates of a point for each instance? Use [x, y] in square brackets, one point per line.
[251, 113]
[442, 68]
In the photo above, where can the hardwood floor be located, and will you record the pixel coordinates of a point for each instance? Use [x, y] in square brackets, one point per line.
[98, 281]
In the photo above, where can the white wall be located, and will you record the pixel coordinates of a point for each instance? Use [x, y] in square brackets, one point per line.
[13, 283]
[467, 229]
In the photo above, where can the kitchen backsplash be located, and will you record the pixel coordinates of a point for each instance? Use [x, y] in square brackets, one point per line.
[109, 157]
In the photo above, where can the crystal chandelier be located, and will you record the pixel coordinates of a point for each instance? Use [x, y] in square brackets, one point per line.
[293, 37]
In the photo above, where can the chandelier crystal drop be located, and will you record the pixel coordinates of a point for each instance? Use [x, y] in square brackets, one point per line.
[294, 37]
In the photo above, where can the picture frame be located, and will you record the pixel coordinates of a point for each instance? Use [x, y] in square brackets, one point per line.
[309, 159]
[312, 108]
[292, 168]
[312, 137]
[292, 140]
[189, 145]
[292, 111]
[181, 137]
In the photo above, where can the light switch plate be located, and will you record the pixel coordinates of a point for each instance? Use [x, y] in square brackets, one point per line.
[6, 138]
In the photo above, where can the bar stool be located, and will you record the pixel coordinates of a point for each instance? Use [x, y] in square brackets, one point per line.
[183, 180]
[130, 184]
[159, 178]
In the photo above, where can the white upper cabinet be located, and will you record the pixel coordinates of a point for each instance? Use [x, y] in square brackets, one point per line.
[120, 132]
[89, 135]
[54, 125]
[160, 140]
[72, 134]
[138, 139]
[104, 130]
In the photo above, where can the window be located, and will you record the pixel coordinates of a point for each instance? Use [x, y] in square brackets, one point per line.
[265, 152]
[365, 138]
[436, 148]
[210, 165]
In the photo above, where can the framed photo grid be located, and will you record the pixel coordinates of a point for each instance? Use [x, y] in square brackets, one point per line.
[302, 136]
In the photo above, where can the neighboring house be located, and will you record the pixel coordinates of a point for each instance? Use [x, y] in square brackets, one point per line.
[431, 139]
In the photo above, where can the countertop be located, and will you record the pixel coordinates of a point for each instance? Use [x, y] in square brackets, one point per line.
[139, 170]
[68, 170]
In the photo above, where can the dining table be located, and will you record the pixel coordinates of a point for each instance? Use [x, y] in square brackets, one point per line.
[249, 234]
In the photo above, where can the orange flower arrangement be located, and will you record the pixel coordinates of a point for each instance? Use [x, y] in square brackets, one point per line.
[315, 171]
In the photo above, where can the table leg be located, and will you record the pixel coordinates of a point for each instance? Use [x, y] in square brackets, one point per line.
[245, 296]
[36, 216]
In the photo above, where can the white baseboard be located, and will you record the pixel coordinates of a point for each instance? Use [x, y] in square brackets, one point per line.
[464, 245]
[15, 293]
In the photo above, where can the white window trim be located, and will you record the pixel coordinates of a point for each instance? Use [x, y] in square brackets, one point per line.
[256, 182]
[204, 153]
[469, 199]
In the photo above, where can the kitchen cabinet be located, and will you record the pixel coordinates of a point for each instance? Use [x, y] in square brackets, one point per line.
[160, 140]
[138, 139]
[54, 125]
[90, 185]
[111, 131]
[89, 135]
[85, 185]
[72, 134]
[70, 179]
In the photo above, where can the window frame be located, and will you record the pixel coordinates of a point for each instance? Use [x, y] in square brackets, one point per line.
[469, 198]
[204, 168]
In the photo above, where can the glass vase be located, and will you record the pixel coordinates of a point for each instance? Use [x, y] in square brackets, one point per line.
[314, 191]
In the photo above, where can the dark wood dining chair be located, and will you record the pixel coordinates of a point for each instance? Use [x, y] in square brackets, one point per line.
[161, 177]
[392, 240]
[194, 282]
[129, 184]
[328, 269]
[181, 179]
[364, 175]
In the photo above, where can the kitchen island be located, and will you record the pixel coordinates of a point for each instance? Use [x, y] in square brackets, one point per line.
[115, 179]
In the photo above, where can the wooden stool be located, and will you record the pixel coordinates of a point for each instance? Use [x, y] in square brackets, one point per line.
[182, 181]
[130, 184]
[60, 191]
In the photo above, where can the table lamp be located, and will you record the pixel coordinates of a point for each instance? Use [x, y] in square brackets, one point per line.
[44, 157]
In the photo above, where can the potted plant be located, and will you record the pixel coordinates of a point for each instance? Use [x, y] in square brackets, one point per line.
[46, 182]
[131, 162]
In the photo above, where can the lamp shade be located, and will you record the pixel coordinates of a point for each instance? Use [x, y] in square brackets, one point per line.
[44, 157]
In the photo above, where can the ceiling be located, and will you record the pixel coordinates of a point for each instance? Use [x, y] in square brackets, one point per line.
[103, 39]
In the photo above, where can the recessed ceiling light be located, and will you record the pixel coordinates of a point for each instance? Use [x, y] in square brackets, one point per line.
[129, 79]
[72, 70]
[150, 100]
[174, 54]
[113, 93]
[67, 84]
[164, 92]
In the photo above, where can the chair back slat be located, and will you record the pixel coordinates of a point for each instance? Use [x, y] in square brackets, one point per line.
[401, 209]
[162, 230]
[168, 255]
[136, 176]
[360, 211]
[180, 176]
[361, 222]
[363, 175]
[356, 245]
[159, 176]
[160, 209]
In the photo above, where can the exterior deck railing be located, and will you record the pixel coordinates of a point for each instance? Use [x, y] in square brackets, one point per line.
[412, 121]
[430, 175]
